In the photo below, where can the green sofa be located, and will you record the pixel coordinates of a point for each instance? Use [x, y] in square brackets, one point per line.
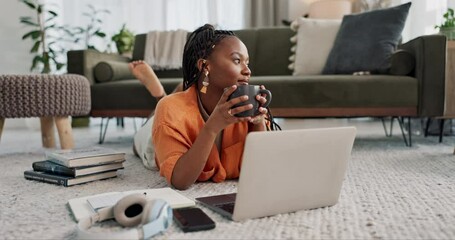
[418, 94]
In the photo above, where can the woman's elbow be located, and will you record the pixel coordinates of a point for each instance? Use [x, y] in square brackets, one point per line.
[181, 186]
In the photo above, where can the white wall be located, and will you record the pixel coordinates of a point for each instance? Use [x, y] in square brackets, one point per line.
[297, 8]
[15, 52]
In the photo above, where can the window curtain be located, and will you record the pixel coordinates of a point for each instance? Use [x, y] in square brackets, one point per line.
[142, 16]
[265, 13]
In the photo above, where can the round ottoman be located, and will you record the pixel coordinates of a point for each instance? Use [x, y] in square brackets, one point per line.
[52, 98]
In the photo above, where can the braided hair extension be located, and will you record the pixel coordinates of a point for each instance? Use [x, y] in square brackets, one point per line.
[199, 45]
[273, 125]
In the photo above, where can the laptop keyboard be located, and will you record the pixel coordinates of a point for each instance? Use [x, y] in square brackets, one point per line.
[228, 207]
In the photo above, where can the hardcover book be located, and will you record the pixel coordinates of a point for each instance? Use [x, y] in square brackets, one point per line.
[65, 180]
[80, 157]
[51, 167]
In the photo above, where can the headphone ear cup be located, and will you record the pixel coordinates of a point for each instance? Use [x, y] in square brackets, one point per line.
[152, 210]
[129, 210]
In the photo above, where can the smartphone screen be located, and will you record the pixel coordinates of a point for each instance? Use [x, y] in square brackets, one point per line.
[192, 219]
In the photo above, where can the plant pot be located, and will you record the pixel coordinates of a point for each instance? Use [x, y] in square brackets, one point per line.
[80, 122]
[127, 54]
[449, 32]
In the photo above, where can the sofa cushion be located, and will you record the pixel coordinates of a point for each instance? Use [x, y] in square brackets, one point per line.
[338, 91]
[365, 41]
[126, 95]
[112, 70]
[402, 62]
[310, 60]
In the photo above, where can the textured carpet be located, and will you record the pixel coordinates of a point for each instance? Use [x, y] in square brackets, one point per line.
[390, 191]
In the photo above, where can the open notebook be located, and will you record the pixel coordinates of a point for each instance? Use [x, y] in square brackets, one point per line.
[86, 206]
[286, 171]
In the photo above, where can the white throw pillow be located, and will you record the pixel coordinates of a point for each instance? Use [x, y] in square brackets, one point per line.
[315, 38]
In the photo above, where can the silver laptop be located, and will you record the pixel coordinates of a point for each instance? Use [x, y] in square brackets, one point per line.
[287, 171]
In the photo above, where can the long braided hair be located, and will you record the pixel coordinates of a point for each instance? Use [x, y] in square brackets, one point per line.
[199, 45]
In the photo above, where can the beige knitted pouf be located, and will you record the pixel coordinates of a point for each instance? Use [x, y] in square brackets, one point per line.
[52, 98]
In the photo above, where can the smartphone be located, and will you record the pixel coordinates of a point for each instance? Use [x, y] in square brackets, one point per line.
[192, 219]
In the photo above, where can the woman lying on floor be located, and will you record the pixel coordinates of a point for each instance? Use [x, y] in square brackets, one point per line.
[194, 133]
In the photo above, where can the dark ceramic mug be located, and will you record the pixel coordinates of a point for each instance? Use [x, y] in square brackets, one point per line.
[251, 91]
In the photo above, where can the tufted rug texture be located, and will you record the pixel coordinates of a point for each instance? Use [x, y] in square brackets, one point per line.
[390, 192]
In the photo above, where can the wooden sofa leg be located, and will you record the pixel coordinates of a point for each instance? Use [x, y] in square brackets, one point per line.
[47, 132]
[2, 122]
[65, 132]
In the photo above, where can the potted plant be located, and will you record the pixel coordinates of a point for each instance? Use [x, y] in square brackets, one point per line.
[124, 41]
[447, 28]
[46, 47]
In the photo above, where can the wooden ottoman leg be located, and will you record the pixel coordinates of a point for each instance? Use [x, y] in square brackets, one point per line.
[2, 122]
[47, 132]
[65, 132]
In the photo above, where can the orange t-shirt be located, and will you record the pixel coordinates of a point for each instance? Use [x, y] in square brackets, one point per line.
[177, 124]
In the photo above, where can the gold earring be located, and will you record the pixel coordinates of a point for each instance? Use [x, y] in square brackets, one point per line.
[205, 82]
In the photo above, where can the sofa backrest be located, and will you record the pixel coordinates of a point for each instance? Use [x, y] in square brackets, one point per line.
[269, 50]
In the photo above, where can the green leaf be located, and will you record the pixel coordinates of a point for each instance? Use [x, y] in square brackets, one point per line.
[30, 4]
[49, 27]
[30, 23]
[50, 18]
[35, 47]
[40, 9]
[52, 13]
[34, 34]
[100, 34]
[59, 65]
[35, 61]
[26, 18]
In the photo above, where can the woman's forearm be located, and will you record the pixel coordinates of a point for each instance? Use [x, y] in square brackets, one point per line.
[190, 165]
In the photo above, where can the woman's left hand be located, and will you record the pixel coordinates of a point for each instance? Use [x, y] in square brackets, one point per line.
[260, 119]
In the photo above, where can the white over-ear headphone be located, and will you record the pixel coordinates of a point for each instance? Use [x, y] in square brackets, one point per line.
[153, 217]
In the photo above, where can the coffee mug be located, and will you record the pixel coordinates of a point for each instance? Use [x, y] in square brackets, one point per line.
[251, 91]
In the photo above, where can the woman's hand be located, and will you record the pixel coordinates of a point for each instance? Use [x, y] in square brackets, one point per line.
[259, 120]
[224, 115]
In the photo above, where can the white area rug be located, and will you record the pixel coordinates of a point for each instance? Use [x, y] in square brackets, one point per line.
[390, 192]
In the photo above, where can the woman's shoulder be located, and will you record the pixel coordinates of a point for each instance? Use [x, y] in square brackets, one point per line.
[177, 104]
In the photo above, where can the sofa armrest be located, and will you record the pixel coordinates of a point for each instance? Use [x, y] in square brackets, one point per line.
[430, 61]
[83, 62]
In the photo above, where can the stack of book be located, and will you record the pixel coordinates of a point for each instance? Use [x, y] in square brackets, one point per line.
[76, 166]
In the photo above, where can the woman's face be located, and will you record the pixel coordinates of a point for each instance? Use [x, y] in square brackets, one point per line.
[228, 64]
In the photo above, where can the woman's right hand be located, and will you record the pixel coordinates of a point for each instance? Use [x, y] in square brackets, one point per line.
[224, 115]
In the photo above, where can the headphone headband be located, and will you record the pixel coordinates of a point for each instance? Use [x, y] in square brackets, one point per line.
[156, 217]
